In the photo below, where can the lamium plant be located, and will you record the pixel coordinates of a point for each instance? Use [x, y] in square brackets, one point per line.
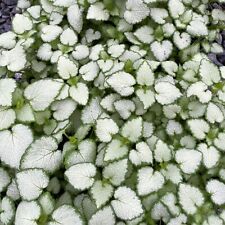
[112, 113]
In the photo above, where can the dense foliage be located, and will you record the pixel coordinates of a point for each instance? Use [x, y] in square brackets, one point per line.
[112, 113]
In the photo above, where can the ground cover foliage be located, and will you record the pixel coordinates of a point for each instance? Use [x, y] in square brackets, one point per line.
[112, 113]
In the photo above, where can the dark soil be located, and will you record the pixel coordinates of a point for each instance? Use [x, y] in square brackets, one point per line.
[7, 11]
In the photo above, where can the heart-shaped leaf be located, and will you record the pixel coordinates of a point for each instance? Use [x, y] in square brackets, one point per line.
[27, 213]
[31, 182]
[162, 152]
[132, 129]
[105, 128]
[219, 141]
[182, 40]
[167, 93]
[67, 215]
[80, 52]
[92, 35]
[66, 68]
[116, 50]
[144, 34]
[115, 172]
[147, 97]
[159, 15]
[47, 203]
[74, 16]
[35, 11]
[97, 11]
[25, 114]
[79, 93]
[196, 110]
[145, 75]
[91, 112]
[7, 118]
[173, 128]
[69, 38]
[115, 150]
[63, 109]
[136, 11]
[7, 210]
[42, 154]
[50, 32]
[199, 128]
[89, 71]
[45, 53]
[197, 28]
[105, 65]
[170, 200]
[209, 72]
[170, 67]
[101, 192]
[7, 87]
[108, 102]
[142, 154]
[126, 205]
[160, 212]
[86, 205]
[14, 143]
[176, 8]
[163, 50]
[172, 173]
[188, 159]
[200, 90]
[190, 198]
[124, 107]
[8, 40]
[122, 83]
[21, 23]
[217, 191]
[210, 155]
[14, 59]
[104, 216]
[42, 93]
[85, 153]
[81, 175]
[214, 113]
[149, 181]
[170, 111]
